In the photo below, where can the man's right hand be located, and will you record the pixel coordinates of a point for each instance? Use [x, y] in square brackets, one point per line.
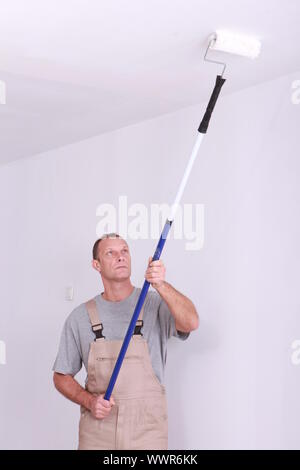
[99, 407]
[70, 388]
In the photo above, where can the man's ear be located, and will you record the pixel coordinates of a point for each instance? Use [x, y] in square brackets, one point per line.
[96, 265]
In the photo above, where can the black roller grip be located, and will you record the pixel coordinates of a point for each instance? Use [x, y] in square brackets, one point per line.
[210, 107]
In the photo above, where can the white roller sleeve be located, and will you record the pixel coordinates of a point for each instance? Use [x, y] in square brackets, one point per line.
[234, 43]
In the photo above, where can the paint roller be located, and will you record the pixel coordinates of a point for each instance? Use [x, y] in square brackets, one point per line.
[222, 41]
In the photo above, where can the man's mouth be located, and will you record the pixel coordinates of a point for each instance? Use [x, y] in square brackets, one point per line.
[118, 267]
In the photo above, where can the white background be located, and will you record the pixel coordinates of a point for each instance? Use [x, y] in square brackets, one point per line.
[232, 383]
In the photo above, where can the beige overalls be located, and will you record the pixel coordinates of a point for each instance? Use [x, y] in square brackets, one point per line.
[139, 420]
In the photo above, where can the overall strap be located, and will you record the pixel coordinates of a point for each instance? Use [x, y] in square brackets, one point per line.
[139, 323]
[97, 326]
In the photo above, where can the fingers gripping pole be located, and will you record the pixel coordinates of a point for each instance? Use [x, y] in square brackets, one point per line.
[159, 248]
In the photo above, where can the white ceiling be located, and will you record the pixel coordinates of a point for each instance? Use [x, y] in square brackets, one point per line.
[77, 68]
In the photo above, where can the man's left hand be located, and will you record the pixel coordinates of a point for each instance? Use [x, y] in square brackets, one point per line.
[155, 273]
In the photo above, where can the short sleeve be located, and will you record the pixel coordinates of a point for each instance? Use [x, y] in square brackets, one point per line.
[68, 360]
[167, 323]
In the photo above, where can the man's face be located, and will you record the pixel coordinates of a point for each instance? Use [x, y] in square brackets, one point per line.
[114, 260]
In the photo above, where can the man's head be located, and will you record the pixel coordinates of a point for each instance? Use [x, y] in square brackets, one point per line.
[111, 257]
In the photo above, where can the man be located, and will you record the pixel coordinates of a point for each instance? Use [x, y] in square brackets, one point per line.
[135, 417]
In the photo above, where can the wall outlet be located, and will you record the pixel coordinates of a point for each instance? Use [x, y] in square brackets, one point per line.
[69, 293]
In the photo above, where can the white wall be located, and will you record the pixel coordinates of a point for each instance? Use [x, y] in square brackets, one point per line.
[237, 387]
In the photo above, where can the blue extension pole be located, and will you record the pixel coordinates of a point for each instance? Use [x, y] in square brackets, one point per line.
[202, 130]
[136, 314]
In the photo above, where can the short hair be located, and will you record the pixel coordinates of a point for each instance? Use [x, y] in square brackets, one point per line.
[96, 244]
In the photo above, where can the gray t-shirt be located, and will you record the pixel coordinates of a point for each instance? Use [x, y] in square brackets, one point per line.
[77, 334]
